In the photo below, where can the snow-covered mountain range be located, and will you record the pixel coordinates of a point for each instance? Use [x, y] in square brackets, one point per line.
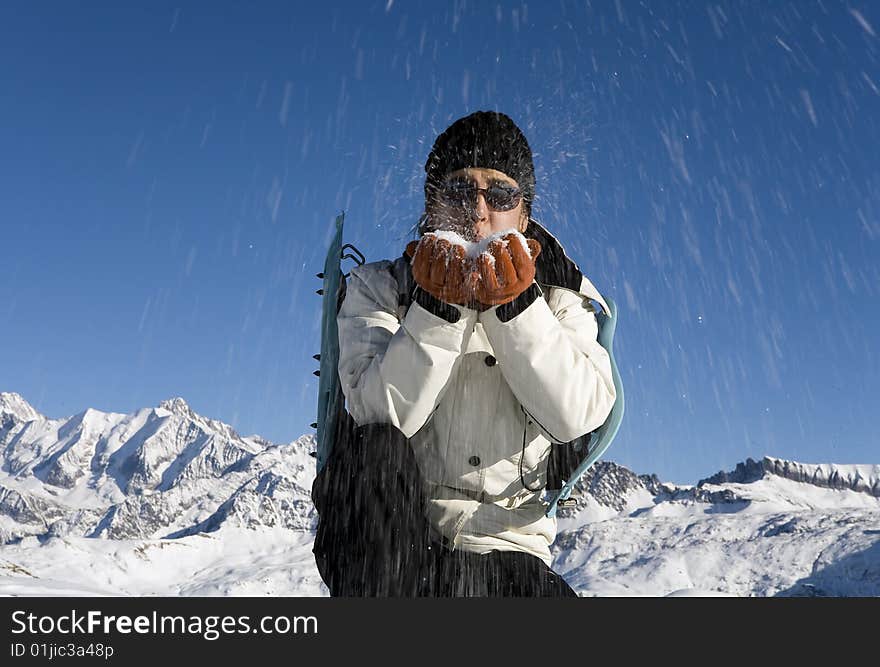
[164, 501]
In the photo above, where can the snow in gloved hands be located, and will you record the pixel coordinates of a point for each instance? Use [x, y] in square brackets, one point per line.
[473, 249]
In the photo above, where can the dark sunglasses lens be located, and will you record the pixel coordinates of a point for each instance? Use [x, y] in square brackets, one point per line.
[458, 194]
[502, 198]
[498, 197]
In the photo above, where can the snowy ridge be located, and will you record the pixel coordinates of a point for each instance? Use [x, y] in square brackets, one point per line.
[14, 406]
[862, 478]
[772, 527]
[150, 473]
[608, 490]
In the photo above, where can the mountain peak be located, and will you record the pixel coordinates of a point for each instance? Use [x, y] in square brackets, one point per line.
[745, 472]
[14, 404]
[861, 478]
[177, 406]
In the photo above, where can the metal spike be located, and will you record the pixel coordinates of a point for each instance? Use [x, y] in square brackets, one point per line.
[319, 275]
[314, 455]
[314, 424]
[316, 373]
[316, 357]
[319, 292]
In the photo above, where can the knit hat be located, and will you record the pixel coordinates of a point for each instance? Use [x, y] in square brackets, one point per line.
[487, 139]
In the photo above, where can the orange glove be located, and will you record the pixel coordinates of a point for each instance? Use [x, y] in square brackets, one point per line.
[512, 273]
[441, 269]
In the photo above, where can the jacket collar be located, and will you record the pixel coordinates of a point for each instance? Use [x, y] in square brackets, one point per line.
[553, 266]
[556, 269]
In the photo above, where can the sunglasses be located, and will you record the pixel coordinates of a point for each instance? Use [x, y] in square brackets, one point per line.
[461, 193]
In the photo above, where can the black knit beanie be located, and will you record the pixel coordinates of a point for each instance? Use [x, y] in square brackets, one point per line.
[486, 139]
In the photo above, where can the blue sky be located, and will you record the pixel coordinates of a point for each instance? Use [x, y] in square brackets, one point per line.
[170, 173]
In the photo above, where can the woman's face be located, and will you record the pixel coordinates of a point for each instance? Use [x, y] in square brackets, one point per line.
[476, 220]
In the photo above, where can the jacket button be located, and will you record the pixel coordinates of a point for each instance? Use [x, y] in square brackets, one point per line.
[474, 461]
[490, 360]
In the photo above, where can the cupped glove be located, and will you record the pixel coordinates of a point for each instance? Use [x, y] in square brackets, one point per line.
[506, 269]
[442, 269]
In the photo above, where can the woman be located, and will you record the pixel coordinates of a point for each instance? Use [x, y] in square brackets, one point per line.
[462, 362]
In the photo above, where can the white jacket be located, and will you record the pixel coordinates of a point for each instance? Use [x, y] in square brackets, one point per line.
[481, 400]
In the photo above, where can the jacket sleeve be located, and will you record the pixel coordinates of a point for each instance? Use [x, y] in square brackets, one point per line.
[394, 371]
[550, 357]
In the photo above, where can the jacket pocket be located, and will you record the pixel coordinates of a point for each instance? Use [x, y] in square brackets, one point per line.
[533, 457]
